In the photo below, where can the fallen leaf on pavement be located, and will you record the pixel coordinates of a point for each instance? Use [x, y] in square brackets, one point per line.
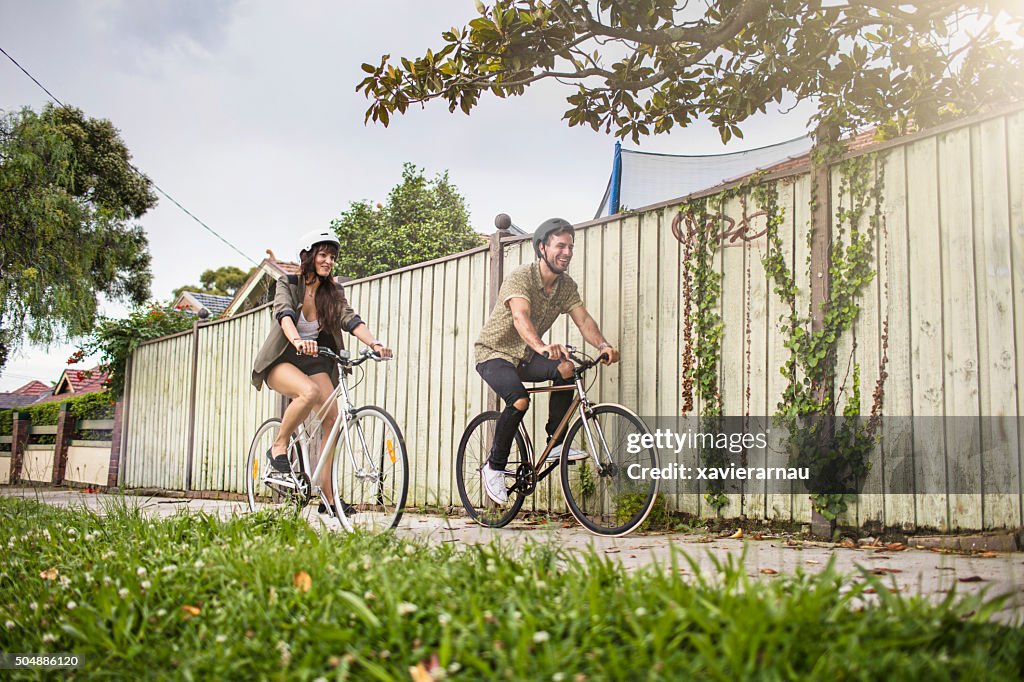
[302, 581]
[987, 555]
[812, 562]
[757, 537]
[848, 543]
[971, 579]
[737, 535]
[769, 571]
[882, 570]
[896, 546]
[705, 539]
[612, 550]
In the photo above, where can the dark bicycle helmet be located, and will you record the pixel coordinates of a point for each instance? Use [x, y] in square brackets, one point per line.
[549, 227]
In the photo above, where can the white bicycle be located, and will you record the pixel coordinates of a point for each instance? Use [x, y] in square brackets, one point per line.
[370, 473]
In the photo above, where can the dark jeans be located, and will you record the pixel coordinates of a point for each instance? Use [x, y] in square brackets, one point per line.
[507, 381]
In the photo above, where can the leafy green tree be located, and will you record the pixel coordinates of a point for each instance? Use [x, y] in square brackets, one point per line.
[67, 196]
[114, 340]
[224, 281]
[638, 67]
[422, 219]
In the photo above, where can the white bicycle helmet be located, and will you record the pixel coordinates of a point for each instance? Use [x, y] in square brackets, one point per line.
[310, 239]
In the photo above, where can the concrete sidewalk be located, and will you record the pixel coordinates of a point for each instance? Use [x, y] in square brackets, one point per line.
[912, 571]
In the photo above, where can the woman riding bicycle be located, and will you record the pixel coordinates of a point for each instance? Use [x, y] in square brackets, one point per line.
[311, 310]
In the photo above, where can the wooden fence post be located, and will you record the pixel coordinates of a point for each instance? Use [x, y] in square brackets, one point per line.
[192, 406]
[497, 274]
[65, 430]
[821, 282]
[19, 437]
[114, 468]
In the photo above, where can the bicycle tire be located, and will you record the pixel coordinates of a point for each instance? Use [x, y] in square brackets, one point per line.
[379, 486]
[256, 465]
[617, 503]
[474, 448]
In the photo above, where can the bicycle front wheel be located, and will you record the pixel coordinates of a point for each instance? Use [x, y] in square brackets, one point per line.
[473, 453]
[611, 491]
[261, 488]
[371, 471]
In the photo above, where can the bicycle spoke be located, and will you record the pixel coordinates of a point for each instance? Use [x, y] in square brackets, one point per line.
[604, 497]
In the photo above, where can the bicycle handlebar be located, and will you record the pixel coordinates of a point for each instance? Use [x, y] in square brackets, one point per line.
[583, 364]
[345, 359]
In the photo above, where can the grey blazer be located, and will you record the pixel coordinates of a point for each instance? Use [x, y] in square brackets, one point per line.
[287, 302]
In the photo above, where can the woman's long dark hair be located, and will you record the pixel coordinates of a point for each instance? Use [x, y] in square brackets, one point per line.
[329, 301]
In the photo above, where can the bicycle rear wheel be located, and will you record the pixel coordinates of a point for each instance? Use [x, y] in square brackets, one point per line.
[474, 449]
[613, 498]
[262, 490]
[371, 471]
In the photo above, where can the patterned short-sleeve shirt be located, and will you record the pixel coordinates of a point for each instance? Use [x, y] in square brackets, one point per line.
[499, 338]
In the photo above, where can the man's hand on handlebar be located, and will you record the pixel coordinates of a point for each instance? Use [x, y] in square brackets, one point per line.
[609, 355]
[554, 351]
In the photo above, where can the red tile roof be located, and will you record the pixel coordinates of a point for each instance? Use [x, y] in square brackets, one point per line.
[78, 382]
[855, 143]
[33, 387]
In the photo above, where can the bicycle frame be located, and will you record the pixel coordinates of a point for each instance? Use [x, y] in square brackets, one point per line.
[342, 425]
[578, 409]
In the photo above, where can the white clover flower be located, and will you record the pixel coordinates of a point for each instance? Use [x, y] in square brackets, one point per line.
[64, 581]
[444, 619]
[9, 625]
[516, 615]
[140, 571]
[10, 543]
[541, 585]
[369, 596]
[220, 639]
[32, 606]
[123, 593]
[558, 677]
[454, 667]
[405, 608]
[519, 579]
[410, 550]
[46, 533]
[541, 636]
[72, 532]
[49, 638]
[72, 605]
[160, 613]
[367, 564]
[107, 580]
[640, 612]
[198, 564]
[145, 585]
[320, 679]
[169, 568]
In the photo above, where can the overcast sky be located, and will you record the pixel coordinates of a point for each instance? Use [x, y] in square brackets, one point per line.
[246, 113]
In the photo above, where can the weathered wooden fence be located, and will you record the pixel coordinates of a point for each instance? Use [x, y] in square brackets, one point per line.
[950, 284]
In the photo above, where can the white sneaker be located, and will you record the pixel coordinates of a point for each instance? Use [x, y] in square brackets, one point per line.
[574, 454]
[494, 484]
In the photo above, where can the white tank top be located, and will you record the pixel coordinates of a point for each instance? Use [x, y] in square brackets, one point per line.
[308, 331]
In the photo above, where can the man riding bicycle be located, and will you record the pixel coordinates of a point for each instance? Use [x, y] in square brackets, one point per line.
[510, 349]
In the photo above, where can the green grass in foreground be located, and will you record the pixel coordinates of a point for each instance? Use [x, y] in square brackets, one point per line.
[194, 597]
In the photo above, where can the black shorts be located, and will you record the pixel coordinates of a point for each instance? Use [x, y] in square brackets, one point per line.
[307, 364]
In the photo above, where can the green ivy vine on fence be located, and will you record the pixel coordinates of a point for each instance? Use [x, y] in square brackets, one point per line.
[703, 333]
[835, 451]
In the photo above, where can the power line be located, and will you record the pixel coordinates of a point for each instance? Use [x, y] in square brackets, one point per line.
[139, 172]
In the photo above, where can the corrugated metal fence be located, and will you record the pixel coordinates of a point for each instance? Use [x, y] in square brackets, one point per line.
[950, 263]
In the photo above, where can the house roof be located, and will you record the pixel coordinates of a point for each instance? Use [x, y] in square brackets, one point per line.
[78, 382]
[271, 268]
[11, 400]
[197, 301]
[34, 387]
